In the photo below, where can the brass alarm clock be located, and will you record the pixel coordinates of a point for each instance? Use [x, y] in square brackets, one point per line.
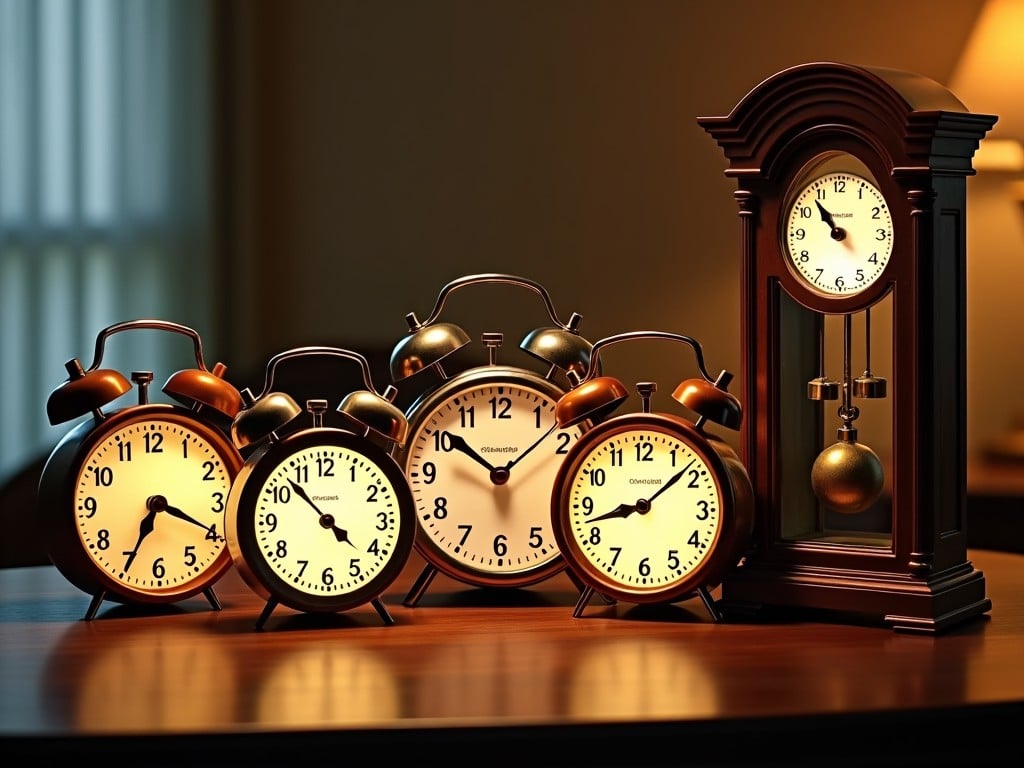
[320, 519]
[852, 212]
[651, 507]
[132, 501]
[484, 446]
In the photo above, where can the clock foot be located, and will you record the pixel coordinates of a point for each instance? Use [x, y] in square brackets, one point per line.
[709, 603]
[581, 586]
[265, 614]
[212, 598]
[94, 605]
[419, 587]
[382, 611]
[585, 596]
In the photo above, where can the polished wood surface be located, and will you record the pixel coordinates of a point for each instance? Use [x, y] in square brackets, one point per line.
[467, 666]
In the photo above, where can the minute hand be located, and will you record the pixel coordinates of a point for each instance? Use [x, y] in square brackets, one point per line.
[670, 482]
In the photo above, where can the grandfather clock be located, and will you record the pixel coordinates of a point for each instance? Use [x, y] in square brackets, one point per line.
[851, 188]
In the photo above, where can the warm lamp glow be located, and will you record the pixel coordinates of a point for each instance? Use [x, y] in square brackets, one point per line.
[989, 79]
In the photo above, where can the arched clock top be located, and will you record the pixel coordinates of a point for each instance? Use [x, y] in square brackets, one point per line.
[915, 124]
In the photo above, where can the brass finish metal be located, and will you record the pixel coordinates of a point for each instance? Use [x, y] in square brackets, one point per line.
[594, 399]
[198, 387]
[710, 401]
[84, 392]
[376, 413]
[262, 417]
[425, 347]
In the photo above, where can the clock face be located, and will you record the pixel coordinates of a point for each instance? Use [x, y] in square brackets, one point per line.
[639, 509]
[149, 500]
[838, 234]
[323, 520]
[480, 460]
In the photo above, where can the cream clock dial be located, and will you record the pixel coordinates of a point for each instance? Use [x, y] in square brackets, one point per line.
[838, 234]
[643, 509]
[320, 521]
[480, 463]
[149, 504]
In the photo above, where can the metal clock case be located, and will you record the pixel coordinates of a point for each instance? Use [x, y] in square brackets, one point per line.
[650, 507]
[132, 501]
[852, 212]
[484, 447]
[320, 519]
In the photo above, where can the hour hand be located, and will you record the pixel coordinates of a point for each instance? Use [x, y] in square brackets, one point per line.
[623, 510]
[459, 443]
[838, 233]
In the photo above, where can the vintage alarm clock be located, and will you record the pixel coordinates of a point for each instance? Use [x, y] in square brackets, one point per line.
[650, 507]
[132, 501]
[484, 446]
[320, 519]
[852, 214]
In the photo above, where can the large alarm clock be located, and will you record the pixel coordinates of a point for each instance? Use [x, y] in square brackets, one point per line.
[648, 506]
[320, 518]
[852, 213]
[484, 446]
[131, 501]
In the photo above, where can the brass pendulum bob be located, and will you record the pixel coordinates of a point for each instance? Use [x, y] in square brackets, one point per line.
[847, 476]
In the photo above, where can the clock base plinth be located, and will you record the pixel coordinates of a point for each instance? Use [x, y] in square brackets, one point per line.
[901, 602]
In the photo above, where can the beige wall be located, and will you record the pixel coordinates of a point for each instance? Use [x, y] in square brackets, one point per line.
[382, 149]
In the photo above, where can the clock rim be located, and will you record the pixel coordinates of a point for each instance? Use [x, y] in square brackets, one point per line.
[56, 492]
[417, 415]
[240, 521]
[736, 513]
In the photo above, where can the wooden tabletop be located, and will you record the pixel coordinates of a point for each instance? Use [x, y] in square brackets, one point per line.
[469, 673]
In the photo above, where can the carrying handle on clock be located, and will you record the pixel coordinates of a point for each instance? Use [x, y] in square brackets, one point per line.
[595, 397]
[268, 412]
[89, 389]
[430, 341]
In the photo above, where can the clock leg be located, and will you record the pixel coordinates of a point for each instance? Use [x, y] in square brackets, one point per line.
[212, 598]
[382, 611]
[581, 586]
[94, 604]
[709, 603]
[588, 592]
[420, 585]
[265, 614]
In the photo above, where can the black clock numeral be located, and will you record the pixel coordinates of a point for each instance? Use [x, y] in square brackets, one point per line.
[270, 521]
[644, 451]
[500, 545]
[210, 467]
[211, 533]
[705, 509]
[466, 530]
[353, 568]
[281, 550]
[103, 477]
[672, 560]
[302, 474]
[429, 472]
[103, 539]
[282, 494]
[383, 518]
[644, 567]
[616, 551]
[374, 548]
[467, 417]
[535, 539]
[154, 442]
[595, 536]
[839, 186]
[325, 467]
[564, 439]
[616, 456]
[501, 407]
[372, 491]
[90, 505]
[327, 576]
[189, 555]
[440, 508]
[694, 478]
[124, 451]
[218, 502]
[158, 569]
[597, 478]
[694, 540]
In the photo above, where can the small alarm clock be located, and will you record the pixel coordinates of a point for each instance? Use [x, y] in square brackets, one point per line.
[132, 501]
[650, 507]
[320, 519]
